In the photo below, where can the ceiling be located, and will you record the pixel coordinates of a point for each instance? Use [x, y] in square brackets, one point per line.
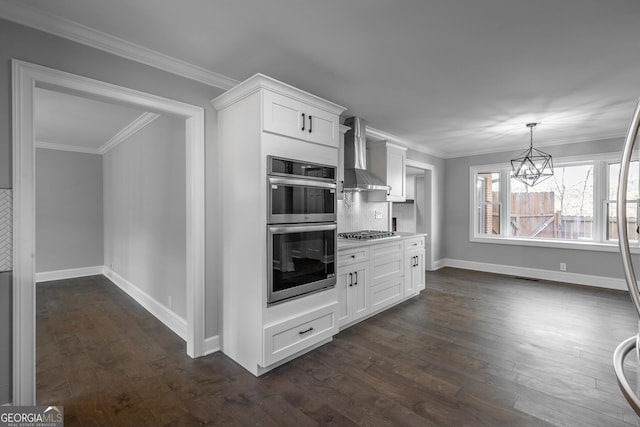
[452, 77]
[71, 122]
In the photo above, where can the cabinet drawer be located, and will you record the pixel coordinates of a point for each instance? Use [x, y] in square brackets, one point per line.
[286, 338]
[386, 293]
[414, 243]
[352, 255]
[385, 268]
[387, 249]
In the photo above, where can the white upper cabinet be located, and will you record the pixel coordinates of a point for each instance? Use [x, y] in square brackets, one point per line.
[290, 117]
[388, 162]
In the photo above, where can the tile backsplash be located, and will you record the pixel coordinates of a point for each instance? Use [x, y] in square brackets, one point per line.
[6, 230]
[355, 213]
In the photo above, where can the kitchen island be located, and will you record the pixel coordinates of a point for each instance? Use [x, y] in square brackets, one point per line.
[376, 274]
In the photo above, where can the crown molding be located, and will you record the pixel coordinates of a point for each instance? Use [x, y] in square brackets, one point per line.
[378, 134]
[127, 132]
[497, 150]
[260, 81]
[66, 147]
[32, 17]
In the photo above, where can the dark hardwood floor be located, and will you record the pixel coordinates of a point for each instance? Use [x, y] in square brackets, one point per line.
[473, 349]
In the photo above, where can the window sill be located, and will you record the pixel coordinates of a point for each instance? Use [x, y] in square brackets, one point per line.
[579, 245]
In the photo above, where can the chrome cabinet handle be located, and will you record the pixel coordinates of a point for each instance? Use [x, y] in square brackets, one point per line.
[350, 279]
[356, 282]
[310, 123]
[303, 122]
[306, 331]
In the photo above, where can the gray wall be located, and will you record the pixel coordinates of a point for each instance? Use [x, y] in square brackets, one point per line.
[456, 224]
[33, 46]
[145, 211]
[68, 210]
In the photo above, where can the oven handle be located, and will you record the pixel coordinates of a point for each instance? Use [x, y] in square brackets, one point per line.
[301, 182]
[286, 229]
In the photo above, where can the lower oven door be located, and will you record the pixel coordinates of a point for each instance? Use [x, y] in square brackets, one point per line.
[301, 260]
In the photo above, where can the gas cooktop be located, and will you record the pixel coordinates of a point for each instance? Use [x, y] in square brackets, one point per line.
[366, 234]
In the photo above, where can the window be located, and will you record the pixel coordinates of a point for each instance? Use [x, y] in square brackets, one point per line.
[488, 207]
[560, 207]
[633, 194]
[575, 206]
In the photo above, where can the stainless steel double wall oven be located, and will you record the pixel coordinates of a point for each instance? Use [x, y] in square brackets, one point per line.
[301, 228]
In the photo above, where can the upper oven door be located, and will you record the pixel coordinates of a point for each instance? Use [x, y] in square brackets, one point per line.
[293, 200]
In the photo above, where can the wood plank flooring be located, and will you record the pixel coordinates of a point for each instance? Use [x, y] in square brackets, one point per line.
[473, 349]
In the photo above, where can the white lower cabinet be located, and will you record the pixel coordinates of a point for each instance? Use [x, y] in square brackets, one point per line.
[352, 284]
[352, 292]
[375, 276]
[387, 275]
[414, 273]
[287, 338]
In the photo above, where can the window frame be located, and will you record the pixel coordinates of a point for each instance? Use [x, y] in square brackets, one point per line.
[599, 240]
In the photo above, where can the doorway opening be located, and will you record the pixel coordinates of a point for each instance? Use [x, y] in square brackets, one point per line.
[417, 214]
[26, 79]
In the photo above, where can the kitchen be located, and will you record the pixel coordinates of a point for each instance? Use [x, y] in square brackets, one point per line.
[448, 243]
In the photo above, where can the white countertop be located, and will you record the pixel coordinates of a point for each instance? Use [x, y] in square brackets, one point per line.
[352, 243]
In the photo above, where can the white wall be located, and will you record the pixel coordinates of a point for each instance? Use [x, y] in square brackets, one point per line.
[68, 210]
[145, 212]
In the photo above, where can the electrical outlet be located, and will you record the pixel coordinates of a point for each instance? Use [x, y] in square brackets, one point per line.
[563, 266]
[378, 214]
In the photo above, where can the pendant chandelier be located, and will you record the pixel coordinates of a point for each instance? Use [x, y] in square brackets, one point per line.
[532, 166]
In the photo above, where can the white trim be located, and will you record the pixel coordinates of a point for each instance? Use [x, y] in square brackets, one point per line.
[536, 273]
[437, 265]
[35, 18]
[378, 134]
[25, 77]
[599, 162]
[567, 141]
[434, 233]
[128, 131]
[171, 320]
[24, 333]
[71, 273]
[66, 147]
[260, 81]
[212, 345]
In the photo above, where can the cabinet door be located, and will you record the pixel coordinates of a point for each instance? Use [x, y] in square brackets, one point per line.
[343, 280]
[359, 301]
[396, 174]
[414, 273]
[283, 115]
[409, 273]
[353, 299]
[419, 272]
[322, 127]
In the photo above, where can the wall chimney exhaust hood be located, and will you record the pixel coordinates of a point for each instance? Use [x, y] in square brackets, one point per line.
[356, 175]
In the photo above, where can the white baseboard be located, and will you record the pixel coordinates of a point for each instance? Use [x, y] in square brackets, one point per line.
[211, 345]
[174, 322]
[437, 265]
[535, 273]
[71, 273]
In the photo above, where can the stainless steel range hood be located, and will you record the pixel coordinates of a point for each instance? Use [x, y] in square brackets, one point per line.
[356, 175]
